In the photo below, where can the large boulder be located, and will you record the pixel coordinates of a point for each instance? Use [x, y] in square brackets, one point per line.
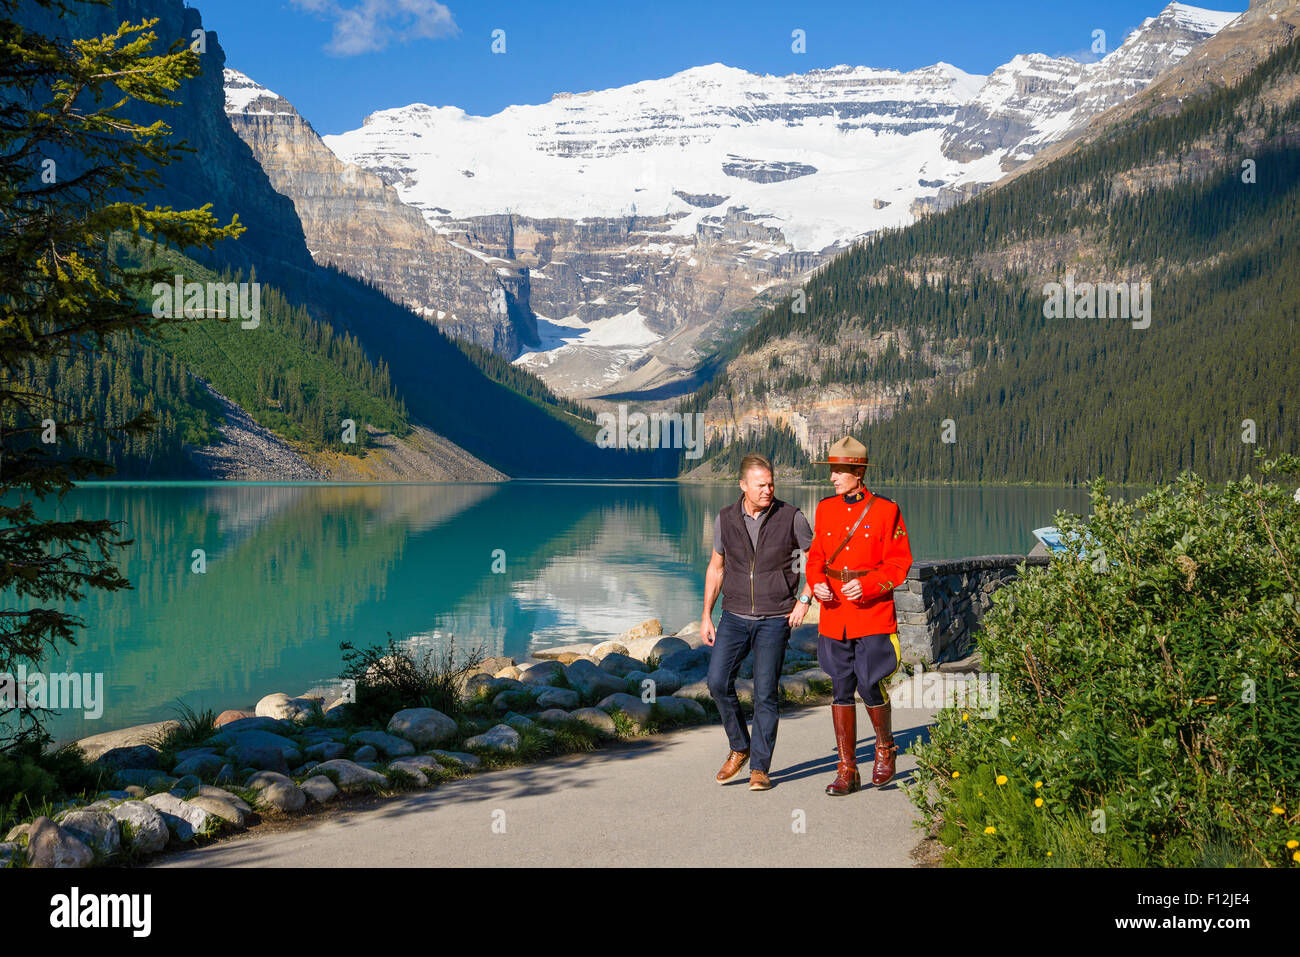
[542, 673]
[97, 745]
[805, 638]
[500, 738]
[264, 779]
[220, 807]
[49, 845]
[648, 628]
[795, 686]
[492, 665]
[457, 759]
[691, 634]
[416, 768]
[133, 756]
[221, 794]
[252, 723]
[422, 726]
[681, 709]
[280, 705]
[386, 744]
[229, 715]
[320, 789]
[351, 776]
[665, 681]
[555, 716]
[558, 698]
[142, 827]
[691, 664]
[620, 665]
[695, 690]
[184, 820]
[591, 681]
[285, 798]
[202, 765]
[325, 750]
[97, 829]
[565, 654]
[603, 648]
[256, 739]
[656, 647]
[596, 718]
[632, 706]
[266, 757]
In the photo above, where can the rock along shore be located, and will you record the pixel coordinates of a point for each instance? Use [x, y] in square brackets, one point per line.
[290, 755]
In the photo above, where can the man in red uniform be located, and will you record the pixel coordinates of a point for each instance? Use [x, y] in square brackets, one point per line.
[859, 555]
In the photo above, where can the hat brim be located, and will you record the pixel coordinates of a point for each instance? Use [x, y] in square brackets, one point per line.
[850, 464]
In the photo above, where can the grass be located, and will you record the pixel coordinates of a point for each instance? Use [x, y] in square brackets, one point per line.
[195, 728]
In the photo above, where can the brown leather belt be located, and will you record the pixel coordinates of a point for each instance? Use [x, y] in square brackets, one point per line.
[843, 574]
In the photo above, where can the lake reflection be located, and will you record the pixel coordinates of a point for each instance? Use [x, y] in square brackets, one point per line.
[292, 570]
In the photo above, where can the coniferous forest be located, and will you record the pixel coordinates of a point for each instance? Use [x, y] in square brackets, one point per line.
[1210, 380]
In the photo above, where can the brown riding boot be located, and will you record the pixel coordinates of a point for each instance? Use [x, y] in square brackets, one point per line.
[847, 780]
[883, 771]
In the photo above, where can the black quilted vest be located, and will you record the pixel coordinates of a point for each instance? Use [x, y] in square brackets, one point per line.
[762, 581]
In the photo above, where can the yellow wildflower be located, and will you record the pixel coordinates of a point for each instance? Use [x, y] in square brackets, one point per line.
[1002, 779]
[1038, 784]
[990, 829]
[1278, 810]
[1292, 845]
[1038, 802]
[965, 716]
[956, 774]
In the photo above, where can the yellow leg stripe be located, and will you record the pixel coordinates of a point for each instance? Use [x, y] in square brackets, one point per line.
[898, 657]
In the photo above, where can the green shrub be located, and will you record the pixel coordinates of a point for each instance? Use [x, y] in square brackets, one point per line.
[32, 779]
[1150, 686]
[389, 678]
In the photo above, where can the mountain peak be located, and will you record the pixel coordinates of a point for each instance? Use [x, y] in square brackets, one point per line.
[245, 95]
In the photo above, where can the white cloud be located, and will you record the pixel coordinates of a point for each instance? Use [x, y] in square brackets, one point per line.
[366, 26]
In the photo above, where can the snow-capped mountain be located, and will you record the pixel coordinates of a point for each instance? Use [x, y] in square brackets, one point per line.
[352, 219]
[648, 216]
[1036, 100]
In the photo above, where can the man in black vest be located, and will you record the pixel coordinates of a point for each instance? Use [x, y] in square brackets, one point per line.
[755, 564]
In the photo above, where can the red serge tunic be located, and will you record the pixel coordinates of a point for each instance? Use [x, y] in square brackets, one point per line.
[879, 546]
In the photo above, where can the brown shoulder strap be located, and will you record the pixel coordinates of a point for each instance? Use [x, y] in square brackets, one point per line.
[840, 547]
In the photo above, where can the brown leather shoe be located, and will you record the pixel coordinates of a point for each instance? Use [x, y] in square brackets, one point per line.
[731, 767]
[883, 771]
[759, 781]
[847, 780]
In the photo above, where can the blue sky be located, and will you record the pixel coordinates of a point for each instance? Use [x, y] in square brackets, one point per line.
[338, 60]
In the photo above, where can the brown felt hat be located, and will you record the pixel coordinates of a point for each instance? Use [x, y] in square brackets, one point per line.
[847, 451]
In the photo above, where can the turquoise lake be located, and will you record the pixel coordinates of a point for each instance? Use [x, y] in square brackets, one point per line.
[293, 570]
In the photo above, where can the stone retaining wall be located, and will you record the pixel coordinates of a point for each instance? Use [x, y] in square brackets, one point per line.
[940, 605]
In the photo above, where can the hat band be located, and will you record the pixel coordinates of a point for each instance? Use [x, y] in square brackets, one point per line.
[845, 460]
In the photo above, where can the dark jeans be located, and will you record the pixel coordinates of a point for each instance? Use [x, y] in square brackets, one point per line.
[859, 664]
[767, 638]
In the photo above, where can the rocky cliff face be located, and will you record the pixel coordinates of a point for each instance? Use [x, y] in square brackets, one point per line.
[1036, 100]
[351, 218]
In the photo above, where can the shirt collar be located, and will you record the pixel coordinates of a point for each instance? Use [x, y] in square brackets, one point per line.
[852, 498]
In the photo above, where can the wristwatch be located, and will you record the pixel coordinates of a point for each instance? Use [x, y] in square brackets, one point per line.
[805, 599]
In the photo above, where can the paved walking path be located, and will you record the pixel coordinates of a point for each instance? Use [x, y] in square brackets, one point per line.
[652, 802]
